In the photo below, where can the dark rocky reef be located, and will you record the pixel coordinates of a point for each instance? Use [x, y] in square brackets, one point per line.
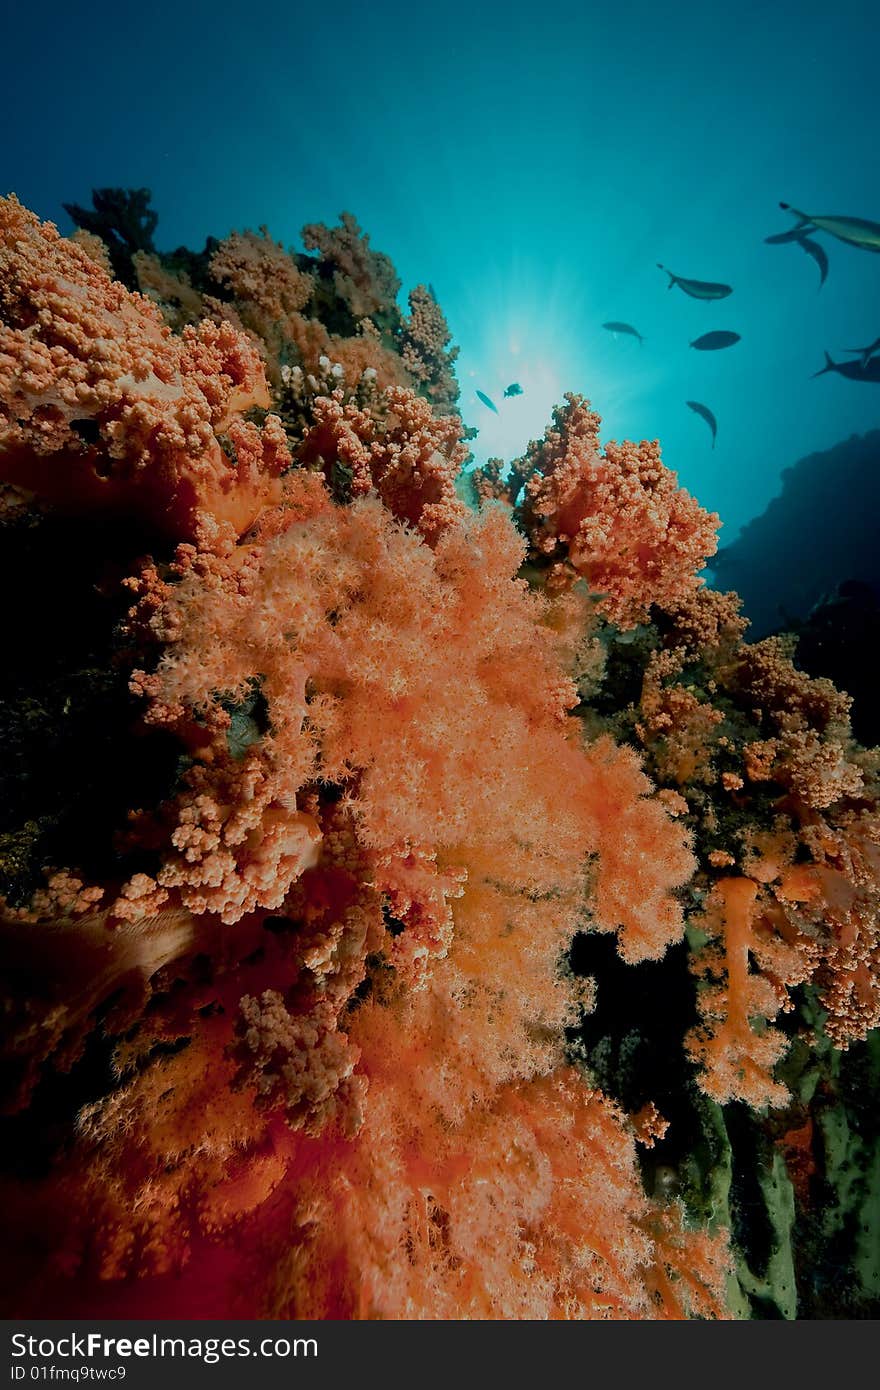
[820, 531]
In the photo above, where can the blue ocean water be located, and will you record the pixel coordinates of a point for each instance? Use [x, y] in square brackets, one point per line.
[533, 162]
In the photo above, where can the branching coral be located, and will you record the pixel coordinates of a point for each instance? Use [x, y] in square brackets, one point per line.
[122, 219]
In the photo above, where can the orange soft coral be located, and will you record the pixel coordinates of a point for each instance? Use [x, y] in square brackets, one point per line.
[681, 728]
[762, 757]
[260, 272]
[810, 748]
[401, 451]
[528, 1208]
[425, 350]
[735, 1045]
[322, 360]
[369, 615]
[789, 924]
[830, 906]
[333, 988]
[639, 848]
[364, 279]
[446, 784]
[179, 302]
[705, 622]
[618, 518]
[101, 407]
[415, 717]
[270, 292]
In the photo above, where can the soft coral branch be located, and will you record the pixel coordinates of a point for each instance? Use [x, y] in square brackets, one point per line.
[615, 517]
[100, 407]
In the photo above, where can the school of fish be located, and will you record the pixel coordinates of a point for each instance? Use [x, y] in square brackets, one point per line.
[854, 231]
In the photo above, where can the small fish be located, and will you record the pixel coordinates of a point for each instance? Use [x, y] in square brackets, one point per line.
[432, 292]
[705, 414]
[854, 371]
[711, 342]
[854, 230]
[697, 289]
[865, 353]
[514, 389]
[624, 328]
[486, 401]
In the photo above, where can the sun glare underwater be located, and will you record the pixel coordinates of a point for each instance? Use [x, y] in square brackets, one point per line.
[440, 794]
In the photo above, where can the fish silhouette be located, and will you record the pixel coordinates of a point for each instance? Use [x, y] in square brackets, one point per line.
[818, 254]
[856, 231]
[486, 401]
[697, 289]
[794, 234]
[624, 328]
[711, 342]
[514, 389]
[705, 414]
[865, 353]
[853, 371]
[800, 236]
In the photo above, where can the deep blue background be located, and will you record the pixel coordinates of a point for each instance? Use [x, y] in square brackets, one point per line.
[533, 162]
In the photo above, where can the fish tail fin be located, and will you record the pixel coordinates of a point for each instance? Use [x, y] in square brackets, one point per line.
[667, 272]
[802, 219]
[829, 366]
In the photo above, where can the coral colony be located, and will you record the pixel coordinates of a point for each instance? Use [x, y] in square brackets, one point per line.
[419, 899]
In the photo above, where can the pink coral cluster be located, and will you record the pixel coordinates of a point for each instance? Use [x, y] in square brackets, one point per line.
[365, 280]
[101, 407]
[425, 350]
[258, 270]
[402, 451]
[616, 518]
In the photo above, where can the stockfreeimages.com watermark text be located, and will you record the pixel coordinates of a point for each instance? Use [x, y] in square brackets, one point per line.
[30, 1353]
